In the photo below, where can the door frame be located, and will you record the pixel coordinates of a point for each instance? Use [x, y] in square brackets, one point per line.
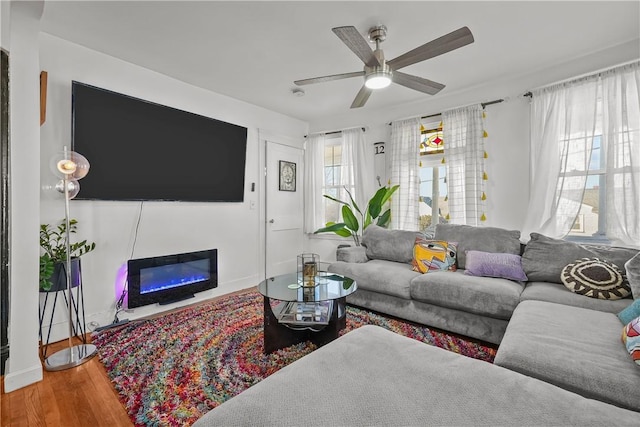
[4, 208]
[265, 136]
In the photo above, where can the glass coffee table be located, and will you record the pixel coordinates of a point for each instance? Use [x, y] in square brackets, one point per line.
[294, 313]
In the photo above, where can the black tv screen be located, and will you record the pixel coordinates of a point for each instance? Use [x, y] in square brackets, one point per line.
[139, 150]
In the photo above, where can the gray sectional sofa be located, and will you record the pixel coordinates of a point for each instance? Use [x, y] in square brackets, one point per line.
[560, 359]
[477, 307]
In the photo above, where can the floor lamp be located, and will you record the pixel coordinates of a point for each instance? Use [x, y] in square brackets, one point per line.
[69, 166]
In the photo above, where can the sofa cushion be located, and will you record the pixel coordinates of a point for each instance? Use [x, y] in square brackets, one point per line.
[392, 245]
[631, 339]
[544, 257]
[352, 254]
[487, 239]
[433, 255]
[574, 348]
[386, 277]
[615, 254]
[630, 313]
[632, 270]
[484, 328]
[595, 278]
[553, 292]
[487, 264]
[373, 377]
[487, 296]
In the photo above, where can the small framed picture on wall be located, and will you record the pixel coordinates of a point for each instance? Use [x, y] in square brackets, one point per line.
[287, 176]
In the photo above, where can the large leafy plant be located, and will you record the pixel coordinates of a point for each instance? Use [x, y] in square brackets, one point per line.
[351, 225]
[53, 242]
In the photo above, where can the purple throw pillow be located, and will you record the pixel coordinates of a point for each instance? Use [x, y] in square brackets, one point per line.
[487, 264]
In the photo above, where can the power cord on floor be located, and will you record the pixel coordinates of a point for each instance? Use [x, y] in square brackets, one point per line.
[119, 305]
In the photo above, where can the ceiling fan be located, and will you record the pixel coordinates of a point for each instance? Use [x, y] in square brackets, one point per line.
[379, 73]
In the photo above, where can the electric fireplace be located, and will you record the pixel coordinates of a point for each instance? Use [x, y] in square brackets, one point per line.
[171, 278]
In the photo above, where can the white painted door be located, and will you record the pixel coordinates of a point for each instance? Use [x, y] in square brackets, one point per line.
[284, 208]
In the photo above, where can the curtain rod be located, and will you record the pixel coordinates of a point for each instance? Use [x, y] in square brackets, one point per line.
[582, 76]
[483, 104]
[333, 132]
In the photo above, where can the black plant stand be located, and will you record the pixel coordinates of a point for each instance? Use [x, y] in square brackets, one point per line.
[77, 303]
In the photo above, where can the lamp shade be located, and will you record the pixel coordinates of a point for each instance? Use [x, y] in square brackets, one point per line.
[69, 165]
[72, 185]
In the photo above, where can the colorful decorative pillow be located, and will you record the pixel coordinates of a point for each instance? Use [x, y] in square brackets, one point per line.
[631, 339]
[433, 255]
[630, 313]
[487, 264]
[595, 278]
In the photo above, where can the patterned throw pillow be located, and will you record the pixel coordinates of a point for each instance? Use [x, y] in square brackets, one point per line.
[433, 255]
[631, 339]
[595, 278]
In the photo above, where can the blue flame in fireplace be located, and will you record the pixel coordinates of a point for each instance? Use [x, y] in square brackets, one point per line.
[171, 276]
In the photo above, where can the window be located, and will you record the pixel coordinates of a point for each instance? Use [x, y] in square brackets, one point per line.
[334, 162]
[590, 221]
[585, 148]
[433, 182]
[332, 183]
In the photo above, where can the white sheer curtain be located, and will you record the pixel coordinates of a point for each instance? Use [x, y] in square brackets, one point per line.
[621, 139]
[563, 125]
[404, 153]
[565, 119]
[464, 156]
[356, 171]
[313, 182]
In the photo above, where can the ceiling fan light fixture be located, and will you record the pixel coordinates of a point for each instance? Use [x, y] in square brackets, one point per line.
[379, 73]
[378, 80]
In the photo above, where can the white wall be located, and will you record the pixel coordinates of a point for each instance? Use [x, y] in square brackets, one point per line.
[165, 227]
[23, 366]
[507, 124]
[5, 24]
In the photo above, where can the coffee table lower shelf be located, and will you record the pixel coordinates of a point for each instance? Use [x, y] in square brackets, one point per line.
[278, 335]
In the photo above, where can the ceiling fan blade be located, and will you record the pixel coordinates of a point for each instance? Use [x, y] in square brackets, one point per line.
[329, 78]
[354, 41]
[417, 83]
[448, 42]
[361, 97]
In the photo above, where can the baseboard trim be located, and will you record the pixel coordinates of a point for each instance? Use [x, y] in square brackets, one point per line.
[16, 380]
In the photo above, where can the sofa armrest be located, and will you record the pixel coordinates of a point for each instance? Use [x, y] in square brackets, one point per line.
[352, 254]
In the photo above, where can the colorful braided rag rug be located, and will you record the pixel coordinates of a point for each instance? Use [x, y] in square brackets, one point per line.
[171, 370]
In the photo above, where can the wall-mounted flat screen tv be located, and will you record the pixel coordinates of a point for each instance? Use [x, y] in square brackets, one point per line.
[139, 150]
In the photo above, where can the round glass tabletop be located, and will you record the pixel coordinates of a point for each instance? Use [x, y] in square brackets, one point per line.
[329, 286]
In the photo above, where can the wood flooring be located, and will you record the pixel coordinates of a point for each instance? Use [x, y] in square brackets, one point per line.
[80, 396]
[77, 397]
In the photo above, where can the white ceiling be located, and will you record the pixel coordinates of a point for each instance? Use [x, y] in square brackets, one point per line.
[253, 51]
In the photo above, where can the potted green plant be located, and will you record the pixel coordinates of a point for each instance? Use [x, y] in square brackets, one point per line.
[53, 242]
[350, 227]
